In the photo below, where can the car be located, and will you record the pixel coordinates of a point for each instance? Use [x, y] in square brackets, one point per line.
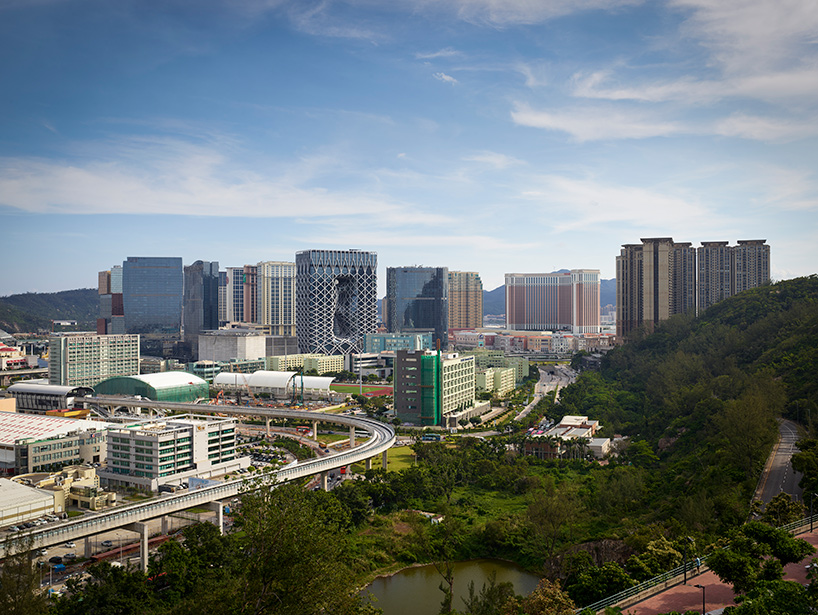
[42, 552]
[70, 556]
[107, 543]
[55, 560]
[70, 545]
[14, 528]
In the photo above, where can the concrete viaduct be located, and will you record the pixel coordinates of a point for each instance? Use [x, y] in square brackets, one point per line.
[133, 516]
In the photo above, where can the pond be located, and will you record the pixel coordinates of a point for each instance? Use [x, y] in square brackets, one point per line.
[415, 591]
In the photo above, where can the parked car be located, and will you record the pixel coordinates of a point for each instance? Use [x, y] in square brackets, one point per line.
[14, 528]
[55, 560]
[107, 543]
[70, 556]
[70, 545]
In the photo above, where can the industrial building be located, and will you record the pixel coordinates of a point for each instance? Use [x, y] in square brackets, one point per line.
[40, 397]
[30, 443]
[19, 503]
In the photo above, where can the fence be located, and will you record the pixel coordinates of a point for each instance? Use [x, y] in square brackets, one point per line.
[657, 584]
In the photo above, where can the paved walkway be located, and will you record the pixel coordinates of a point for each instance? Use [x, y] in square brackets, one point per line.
[683, 598]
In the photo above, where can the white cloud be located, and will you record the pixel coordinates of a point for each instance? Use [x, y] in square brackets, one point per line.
[754, 36]
[448, 52]
[511, 12]
[446, 78]
[588, 205]
[591, 124]
[765, 128]
[141, 176]
[493, 159]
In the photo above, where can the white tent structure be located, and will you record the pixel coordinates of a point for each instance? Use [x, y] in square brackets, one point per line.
[278, 384]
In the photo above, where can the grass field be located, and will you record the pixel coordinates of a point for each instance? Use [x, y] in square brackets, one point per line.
[398, 458]
[370, 390]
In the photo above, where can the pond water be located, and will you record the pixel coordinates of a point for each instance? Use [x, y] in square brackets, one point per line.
[415, 591]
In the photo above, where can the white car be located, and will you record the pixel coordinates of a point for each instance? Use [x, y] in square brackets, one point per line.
[70, 545]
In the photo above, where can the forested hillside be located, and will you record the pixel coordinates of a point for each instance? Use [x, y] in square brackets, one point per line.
[34, 311]
[703, 394]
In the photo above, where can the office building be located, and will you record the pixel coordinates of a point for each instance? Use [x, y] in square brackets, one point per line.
[336, 300]
[111, 309]
[276, 296]
[171, 450]
[201, 302]
[465, 300]
[417, 300]
[431, 388]
[84, 359]
[227, 344]
[566, 301]
[660, 278]
[152, 294]
[231, 306]
[380, 342]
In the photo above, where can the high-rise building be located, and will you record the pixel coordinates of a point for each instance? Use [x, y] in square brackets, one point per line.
[659, 277]
[418, 301]
[276, 296]
[152, 294]
[250, 293]
[83, 359]
[714, 272]
[751, 264]
[430, 385]
[111, 311]
[465, 300]
[201, 301]
[553, 301]
[336, 300]
[232, 310]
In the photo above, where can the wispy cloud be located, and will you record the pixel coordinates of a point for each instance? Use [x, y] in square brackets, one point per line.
[448, 52]
[588, 204]
[445, 77]
[766, 128]
[519, 12]
[593, 124]
[493, 159]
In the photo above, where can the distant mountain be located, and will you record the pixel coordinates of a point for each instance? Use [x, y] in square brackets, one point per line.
[34, 311]
[607, 292]
[494, 301]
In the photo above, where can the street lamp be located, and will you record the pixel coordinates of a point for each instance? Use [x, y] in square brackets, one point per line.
[684, 550]
[702, 588]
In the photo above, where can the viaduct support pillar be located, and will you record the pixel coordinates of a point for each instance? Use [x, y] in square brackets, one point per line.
[369, 463]
[219, 510]
[142, 530]
[88, 551]
[384, 460]
[315, 430]
[165, 524]
[267, 426]
[324, 484]
[352, 437]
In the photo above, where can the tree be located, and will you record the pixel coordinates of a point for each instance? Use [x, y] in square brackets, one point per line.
[491, 598]
[547, 599]
[439, 543]
[20, 581]
[757, 552]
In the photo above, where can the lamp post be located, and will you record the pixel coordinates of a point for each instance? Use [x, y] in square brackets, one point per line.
[702, 588]
[684, 550]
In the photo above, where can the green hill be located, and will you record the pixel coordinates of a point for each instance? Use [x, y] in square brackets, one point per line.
[34, 311]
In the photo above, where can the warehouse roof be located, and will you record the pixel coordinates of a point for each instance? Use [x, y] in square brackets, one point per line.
[13, 495]
[14, 426]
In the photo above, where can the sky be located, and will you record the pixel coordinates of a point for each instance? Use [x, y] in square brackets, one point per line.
[481, 135]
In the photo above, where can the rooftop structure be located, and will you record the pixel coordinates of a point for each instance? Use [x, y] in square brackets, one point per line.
[161, 386]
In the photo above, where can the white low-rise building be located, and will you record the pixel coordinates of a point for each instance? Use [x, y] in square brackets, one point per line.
[19, 503]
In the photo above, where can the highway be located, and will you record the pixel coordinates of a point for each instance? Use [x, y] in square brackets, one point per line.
[381, 438]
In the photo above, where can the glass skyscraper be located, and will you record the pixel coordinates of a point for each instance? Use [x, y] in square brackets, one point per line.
[152, 294]
[417, 301]
[201, 302]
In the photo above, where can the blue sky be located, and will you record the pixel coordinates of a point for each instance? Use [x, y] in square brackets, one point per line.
[488, 135]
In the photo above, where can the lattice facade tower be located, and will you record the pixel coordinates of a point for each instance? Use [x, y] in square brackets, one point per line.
[336, 300]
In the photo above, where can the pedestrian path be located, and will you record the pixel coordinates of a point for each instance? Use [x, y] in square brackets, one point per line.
[717, 595]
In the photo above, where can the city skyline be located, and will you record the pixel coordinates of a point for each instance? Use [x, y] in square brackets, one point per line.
[475, 135]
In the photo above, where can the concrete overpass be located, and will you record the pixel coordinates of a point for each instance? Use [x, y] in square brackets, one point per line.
[132, 516]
